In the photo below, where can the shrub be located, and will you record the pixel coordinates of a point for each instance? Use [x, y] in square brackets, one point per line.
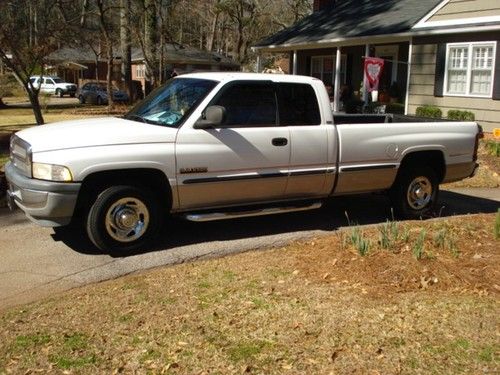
[456, 114]
[429, 111]
[493, 148]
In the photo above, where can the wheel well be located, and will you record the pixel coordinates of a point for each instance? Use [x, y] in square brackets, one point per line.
[152, 179]
[432, 159]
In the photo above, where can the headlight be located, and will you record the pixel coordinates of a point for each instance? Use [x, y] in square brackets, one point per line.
[51, 172]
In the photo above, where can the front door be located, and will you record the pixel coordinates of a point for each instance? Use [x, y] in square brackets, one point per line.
[245, 160]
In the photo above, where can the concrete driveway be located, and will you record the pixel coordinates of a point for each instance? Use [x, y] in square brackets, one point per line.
[37, 263]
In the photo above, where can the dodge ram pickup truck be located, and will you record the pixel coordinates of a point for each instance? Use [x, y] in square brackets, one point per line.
[210, 146]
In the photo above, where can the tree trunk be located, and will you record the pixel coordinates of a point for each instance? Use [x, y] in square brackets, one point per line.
[212, 32]
[109, 77]
[35, 104]
[126, 50]
[150, 39]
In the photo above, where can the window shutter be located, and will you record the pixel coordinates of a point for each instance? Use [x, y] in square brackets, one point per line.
[496, 75]
[440, 67]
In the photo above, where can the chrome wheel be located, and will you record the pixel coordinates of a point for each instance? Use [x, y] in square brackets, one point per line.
[419, 193]
[127, 219]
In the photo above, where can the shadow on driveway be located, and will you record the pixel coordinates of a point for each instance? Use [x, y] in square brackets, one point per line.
[361, 209]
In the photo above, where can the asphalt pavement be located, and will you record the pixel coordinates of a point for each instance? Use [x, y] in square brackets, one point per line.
[38, 262]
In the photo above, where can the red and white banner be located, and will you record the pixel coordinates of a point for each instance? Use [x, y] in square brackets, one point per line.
[373, 71]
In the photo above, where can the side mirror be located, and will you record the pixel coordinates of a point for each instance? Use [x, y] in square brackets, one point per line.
[213, 116]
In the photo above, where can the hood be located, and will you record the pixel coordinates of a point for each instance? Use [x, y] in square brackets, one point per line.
[94, 132]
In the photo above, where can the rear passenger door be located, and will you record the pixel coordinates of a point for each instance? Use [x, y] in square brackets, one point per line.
[299, 112]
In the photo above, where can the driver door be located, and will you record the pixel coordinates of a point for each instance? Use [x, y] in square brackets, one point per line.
[243, 161]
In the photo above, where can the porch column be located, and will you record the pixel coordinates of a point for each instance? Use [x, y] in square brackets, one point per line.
[407, 96]
[336, 85]
[258, 66]
[365, 84]
[294, 62]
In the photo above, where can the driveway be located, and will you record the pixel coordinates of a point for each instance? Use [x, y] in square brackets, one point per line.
[38, 263]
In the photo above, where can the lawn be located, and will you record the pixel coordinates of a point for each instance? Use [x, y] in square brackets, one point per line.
[409, 305]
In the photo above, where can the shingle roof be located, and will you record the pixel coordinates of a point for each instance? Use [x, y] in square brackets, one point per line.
[354, 19]
[174, 53]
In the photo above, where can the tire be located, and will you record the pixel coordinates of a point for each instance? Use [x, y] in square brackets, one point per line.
[72, 95]
[99, 100]
[415, 192]
[81, 99]
[59, 93]
[124, 219]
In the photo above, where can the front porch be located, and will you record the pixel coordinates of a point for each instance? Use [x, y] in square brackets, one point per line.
[341, 68]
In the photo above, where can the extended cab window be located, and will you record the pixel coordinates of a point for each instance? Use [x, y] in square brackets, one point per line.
[248, 104]
[298, 104]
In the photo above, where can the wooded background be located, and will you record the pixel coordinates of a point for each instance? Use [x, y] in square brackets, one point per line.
[32, 29]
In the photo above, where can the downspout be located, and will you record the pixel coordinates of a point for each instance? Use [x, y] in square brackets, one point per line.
[410, 58]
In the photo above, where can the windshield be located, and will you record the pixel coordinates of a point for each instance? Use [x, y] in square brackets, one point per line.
[171, 103]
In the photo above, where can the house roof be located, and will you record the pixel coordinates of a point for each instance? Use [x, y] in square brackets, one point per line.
[175, 53]
[350, 19]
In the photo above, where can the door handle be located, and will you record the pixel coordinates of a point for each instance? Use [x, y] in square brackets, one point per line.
[280, 142]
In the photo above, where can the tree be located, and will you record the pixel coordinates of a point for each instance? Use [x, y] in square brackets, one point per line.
[126, 46]
[23, 25]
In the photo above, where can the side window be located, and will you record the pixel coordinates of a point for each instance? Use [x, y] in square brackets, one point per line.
[298, 105]
[249, 104]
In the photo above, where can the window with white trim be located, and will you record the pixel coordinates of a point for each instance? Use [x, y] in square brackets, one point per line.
[469, 69]
[323, 68]
[140, 71]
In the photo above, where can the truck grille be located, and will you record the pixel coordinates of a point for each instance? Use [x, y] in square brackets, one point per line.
[20, 155]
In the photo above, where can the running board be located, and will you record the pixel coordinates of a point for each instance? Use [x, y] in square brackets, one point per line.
[213, 216]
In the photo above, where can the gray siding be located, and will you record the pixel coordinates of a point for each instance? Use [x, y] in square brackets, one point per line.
[458, 9]
[421, 90]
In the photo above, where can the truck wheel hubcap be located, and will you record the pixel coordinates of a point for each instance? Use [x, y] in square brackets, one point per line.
[419, 193]
[127, 219]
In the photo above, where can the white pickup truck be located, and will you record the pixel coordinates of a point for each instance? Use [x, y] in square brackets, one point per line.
[212, 146]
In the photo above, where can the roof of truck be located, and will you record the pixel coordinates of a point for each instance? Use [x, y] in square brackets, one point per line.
[232, 76]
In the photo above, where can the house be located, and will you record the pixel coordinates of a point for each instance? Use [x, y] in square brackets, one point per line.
[441, 53]
[81, 64]
[183, 59]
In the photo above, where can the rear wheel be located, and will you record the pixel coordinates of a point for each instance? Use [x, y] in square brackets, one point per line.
[123, 219]
[415, 192]
[99, 100]
[59, 93]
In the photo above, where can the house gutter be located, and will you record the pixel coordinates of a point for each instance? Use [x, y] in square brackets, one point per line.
[386, 38]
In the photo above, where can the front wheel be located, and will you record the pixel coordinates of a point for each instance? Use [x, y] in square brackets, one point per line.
[124, 219]
[415, 192]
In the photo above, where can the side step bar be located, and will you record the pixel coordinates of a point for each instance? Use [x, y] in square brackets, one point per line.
[213, 216]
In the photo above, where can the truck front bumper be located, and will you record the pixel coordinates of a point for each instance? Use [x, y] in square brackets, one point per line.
[46, 203]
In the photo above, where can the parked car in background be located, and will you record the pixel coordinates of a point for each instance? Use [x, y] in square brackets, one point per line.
[96, 93]
[53, 86]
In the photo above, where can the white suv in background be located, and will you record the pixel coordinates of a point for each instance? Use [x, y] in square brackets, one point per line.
[53, 86]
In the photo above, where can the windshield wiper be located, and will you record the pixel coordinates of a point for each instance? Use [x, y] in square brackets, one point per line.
[133, 117]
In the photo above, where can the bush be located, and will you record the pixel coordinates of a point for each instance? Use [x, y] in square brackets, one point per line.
[429, 111]
[493, 148]
[456, 114]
